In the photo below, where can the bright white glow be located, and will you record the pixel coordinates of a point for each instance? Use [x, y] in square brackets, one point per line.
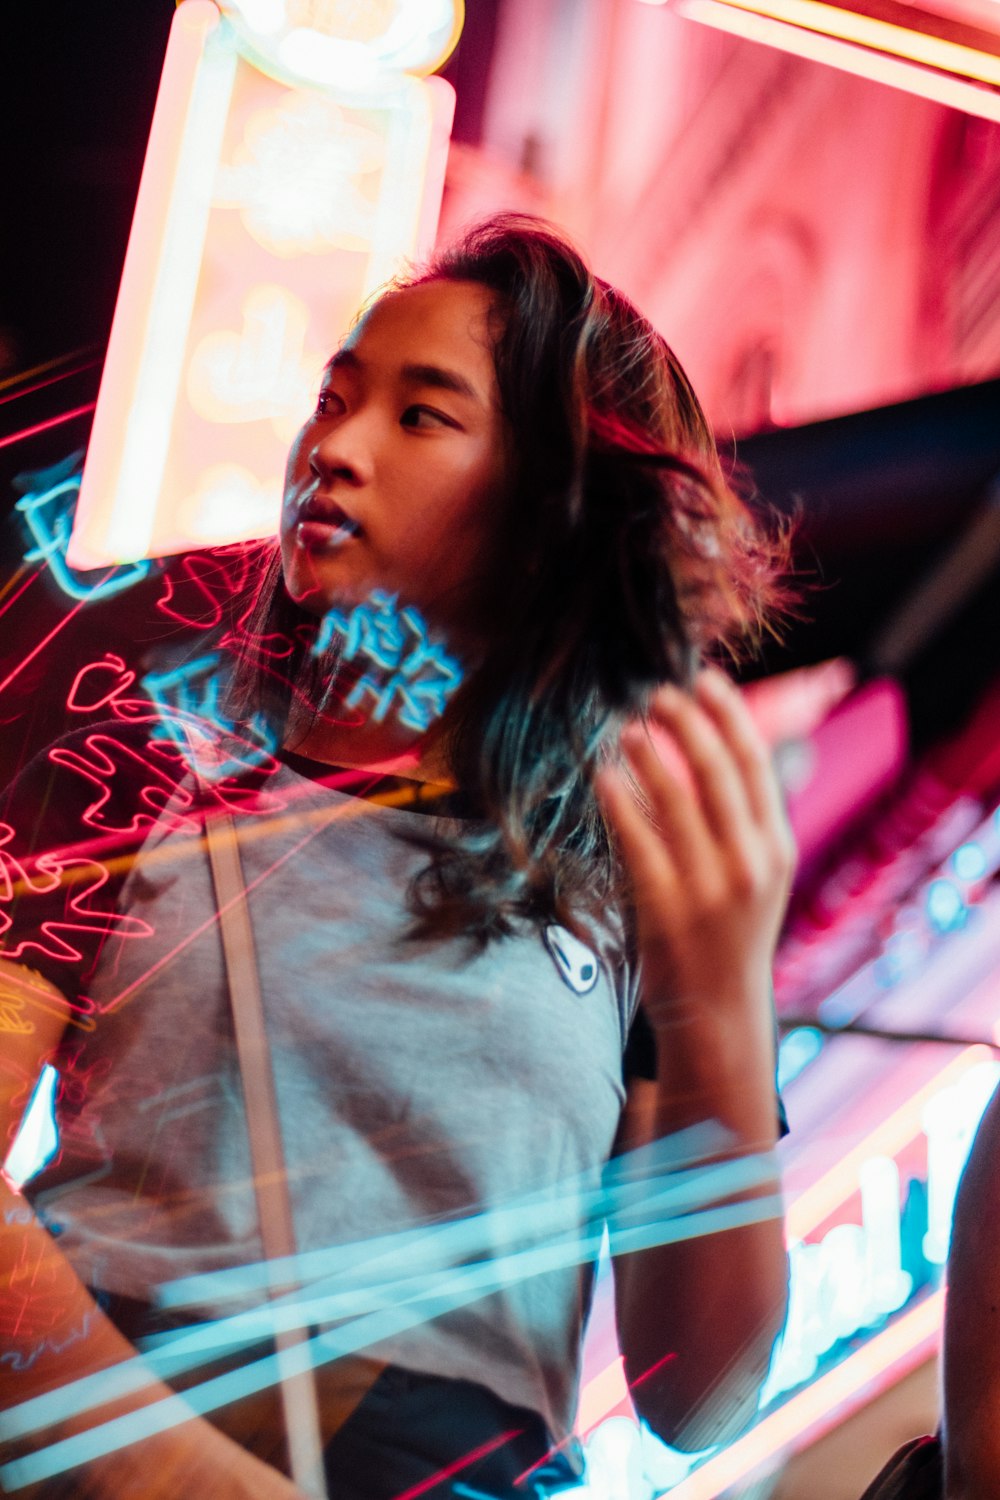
[956, 93]
[304, 177]
[969, 863]
[614, 1458]
[353, 47]
[230, 502]
[145, 444]
[408, 144]
[37, 1138]
[887, 1285]
[260, 371]
[265, 17]
[316, 58]
[950, 1122]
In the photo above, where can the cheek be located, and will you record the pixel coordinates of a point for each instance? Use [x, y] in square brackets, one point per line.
[296, 462]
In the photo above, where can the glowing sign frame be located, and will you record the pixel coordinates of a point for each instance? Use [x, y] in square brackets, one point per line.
[214, 290]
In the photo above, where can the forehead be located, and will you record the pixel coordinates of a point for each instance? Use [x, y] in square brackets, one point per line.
[442, 323]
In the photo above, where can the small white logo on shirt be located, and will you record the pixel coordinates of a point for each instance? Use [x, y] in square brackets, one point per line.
[575, 962]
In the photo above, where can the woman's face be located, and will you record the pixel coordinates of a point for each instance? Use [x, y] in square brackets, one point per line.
[397, 479]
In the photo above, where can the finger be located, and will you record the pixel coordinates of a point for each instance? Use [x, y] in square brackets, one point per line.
[717, 775]
[676, 811]
[650, 867]
[722, 702]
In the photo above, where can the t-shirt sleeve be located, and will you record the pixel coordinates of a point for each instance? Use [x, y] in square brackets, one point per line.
[639, 1060]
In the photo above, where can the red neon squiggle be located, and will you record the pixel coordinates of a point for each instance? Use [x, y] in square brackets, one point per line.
[213, 582]
[51, 937]
[103, 758]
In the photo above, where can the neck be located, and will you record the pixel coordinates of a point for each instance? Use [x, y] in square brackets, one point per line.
[369, 746]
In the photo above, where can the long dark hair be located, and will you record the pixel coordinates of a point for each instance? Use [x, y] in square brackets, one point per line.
[625, 560]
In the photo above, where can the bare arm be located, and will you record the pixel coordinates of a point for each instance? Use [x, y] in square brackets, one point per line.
[193, 1457]
[710, 878]
[972, 1323]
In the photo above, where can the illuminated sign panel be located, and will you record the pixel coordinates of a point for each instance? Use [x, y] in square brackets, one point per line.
[266, 215]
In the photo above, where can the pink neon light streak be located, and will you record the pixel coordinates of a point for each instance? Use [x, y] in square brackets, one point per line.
[41, 385]
[24, 586]
[459, 1464]
[47, 638]
[66, 416]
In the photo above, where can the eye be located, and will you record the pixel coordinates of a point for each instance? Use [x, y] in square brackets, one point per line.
[425, 417]
[328, 404]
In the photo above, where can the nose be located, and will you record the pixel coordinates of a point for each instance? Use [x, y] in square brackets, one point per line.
[344, 450]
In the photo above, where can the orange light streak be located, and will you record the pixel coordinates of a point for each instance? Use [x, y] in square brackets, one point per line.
[14, 579]
[49, 364]
[41, 385]
[877, 67]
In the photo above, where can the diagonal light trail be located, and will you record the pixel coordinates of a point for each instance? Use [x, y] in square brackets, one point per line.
[387, 1264]
[413, 1301]
[681, 1163]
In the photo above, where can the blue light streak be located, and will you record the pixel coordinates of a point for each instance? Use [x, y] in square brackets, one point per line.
[48, 507]
[645, 1206]
[188, 697]
[411, 668]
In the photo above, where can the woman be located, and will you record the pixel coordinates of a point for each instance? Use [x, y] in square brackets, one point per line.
[453, 929]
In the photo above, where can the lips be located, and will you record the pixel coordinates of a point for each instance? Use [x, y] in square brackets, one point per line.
[322, 523]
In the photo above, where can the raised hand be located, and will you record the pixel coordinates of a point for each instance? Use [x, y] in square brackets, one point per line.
[710, 861]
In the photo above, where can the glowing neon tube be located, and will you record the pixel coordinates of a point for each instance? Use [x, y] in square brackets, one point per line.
[128, 449]
[877, 67]
[881, 36]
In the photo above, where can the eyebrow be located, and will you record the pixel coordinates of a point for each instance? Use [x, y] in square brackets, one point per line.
[438, 376]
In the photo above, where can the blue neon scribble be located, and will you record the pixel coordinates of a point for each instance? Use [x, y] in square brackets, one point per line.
[18, 1360]
[188, 697]
[421, 675]
[48, 504]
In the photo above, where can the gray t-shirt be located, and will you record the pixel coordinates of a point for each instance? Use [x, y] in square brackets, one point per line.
[418, 1083]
